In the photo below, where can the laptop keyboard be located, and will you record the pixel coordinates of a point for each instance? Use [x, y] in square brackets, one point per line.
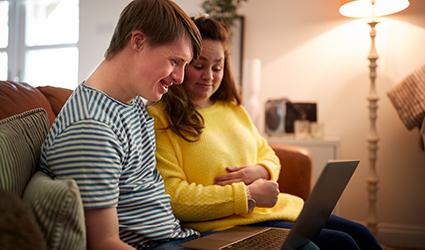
[268, 239]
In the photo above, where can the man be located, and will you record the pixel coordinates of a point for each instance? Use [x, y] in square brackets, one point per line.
[104, 139]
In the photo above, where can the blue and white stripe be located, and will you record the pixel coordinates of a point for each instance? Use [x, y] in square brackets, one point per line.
[108, 147]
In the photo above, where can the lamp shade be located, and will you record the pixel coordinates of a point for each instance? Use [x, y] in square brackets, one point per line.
[370, 8]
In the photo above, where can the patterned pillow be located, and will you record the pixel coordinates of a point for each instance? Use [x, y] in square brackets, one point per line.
[56, 203]
[21, 137]
[58, 209]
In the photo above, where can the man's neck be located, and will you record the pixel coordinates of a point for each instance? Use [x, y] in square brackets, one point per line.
[109, 78]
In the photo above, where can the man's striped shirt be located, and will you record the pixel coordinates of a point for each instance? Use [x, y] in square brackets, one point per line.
[108, 147]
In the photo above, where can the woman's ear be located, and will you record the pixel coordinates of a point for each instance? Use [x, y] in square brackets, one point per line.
[137, 41]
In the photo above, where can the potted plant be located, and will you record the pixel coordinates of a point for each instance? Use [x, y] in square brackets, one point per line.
[222, 10]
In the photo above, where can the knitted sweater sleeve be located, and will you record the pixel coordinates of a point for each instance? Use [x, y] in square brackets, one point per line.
[196, 202]
[266, 156]
[190, 200]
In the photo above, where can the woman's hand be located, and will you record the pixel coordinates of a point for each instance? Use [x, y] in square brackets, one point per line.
[246, 174]
[265, 193]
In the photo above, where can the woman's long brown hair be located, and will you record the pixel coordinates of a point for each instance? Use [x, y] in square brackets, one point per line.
[181, 114]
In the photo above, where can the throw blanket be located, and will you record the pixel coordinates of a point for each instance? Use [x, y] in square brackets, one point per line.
[408, 99]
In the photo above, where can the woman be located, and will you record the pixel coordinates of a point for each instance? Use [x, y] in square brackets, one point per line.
[219, 171]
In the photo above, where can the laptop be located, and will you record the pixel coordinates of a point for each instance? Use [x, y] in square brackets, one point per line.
[317, 209]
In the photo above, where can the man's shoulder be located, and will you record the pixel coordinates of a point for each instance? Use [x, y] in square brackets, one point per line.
[91, 104]
[81, 111]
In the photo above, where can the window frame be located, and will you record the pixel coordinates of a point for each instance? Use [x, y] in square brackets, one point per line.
[16, 48]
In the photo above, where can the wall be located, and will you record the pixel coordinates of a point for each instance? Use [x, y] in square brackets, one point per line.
[309, 52]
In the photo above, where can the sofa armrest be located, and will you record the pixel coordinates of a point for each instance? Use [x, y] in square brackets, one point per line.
[296, 169]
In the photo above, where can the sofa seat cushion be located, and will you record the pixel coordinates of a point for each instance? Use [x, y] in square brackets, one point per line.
[58, 209]
[21, 137]
[18, 97]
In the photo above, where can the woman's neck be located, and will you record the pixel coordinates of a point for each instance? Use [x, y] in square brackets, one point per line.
[202, 104]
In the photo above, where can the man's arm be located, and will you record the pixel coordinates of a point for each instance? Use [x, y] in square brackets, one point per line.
[103, 229]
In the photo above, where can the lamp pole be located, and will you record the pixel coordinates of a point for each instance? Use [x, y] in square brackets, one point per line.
[354, 8]
[372, 137]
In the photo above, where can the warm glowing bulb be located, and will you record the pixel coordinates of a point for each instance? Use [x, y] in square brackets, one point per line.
[357, 8]
[364, 8]
[387, 7]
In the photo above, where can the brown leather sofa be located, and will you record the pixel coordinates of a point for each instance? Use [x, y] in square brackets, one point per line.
[23, 179]
[15, 98]
[296, 169]
[22, 99]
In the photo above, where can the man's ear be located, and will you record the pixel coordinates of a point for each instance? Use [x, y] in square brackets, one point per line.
[138, 40]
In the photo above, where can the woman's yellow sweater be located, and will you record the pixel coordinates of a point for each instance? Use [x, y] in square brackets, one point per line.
[189, 168]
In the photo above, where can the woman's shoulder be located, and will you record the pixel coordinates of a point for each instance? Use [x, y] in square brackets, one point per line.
[155, 109]
[237, 108]
[229, 105]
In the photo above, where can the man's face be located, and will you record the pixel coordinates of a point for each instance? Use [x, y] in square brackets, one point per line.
[158, 67]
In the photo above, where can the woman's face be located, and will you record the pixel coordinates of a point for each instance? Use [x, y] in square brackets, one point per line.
[203, 78]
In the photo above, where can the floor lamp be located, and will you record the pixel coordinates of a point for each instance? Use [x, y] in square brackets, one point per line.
[372, 9]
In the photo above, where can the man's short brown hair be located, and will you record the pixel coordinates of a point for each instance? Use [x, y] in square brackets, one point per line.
[162, 21]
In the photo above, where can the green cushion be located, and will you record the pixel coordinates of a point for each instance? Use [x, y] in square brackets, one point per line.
[55, 203]
[21, 137]
[58, 209]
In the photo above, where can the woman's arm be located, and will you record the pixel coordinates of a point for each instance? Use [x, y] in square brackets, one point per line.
[189, 170]
[266, 157]
[246, 174]
[267, 166]
[197, 202]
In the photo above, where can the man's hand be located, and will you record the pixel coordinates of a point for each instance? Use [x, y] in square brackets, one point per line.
[246, 174]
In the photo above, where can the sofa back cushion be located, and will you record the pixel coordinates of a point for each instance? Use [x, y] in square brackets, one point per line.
[21, 137]
[18, 97]
[56, 96]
